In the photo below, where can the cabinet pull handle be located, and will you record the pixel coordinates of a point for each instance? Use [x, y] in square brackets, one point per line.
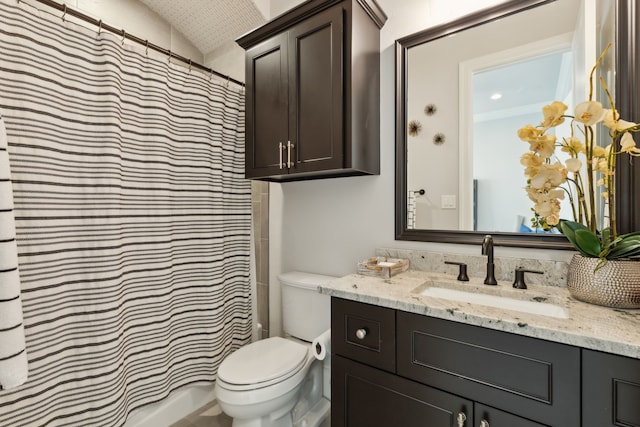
[361, 333]
[290, 147]
[461, 419]
[280, 149]
[484, 423]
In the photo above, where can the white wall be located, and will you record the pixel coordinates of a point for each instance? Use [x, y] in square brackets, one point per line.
[326, 226]
[278, 7]
[498, 136]
[228, 60]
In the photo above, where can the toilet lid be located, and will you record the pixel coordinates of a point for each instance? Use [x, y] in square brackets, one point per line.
[262, 361]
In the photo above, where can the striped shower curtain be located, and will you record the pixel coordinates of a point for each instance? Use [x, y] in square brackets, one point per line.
[132, 221]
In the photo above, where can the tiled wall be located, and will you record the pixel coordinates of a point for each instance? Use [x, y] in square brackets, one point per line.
[260, 201]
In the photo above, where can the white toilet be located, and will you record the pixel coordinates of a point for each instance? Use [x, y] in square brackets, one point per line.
[278, 382]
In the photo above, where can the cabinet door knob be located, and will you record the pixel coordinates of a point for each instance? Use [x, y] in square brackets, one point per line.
[461, 419]
[280, 149]
[361, 333]
[484, 423]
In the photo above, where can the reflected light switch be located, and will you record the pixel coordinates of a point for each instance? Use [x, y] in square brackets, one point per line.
[448, 201]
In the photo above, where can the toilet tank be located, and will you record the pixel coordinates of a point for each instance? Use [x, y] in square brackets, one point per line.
[306, 313]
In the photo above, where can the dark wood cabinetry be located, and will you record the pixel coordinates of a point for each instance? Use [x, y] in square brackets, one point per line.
[365, 333]
[610, 390]
[365, 396]
[396, 368]
[536, 379]
[312, 94]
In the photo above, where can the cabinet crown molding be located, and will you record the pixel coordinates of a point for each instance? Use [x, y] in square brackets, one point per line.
[303, 11]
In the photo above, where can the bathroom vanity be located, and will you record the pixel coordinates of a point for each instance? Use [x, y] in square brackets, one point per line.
[404, 355]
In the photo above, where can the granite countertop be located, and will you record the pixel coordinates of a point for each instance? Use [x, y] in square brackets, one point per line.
[584, 325]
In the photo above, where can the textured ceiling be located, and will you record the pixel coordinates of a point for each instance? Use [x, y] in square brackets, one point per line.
[209, 24]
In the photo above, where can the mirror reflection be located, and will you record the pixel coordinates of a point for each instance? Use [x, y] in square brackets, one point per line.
[468, 93]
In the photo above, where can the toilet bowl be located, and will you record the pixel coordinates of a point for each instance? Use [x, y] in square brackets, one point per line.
[278, 382]
[261, 394]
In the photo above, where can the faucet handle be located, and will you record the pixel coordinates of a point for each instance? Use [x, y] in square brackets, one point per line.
[462, 273]
[518, 283]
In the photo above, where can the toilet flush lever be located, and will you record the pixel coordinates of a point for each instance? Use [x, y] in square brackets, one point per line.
[361, 333]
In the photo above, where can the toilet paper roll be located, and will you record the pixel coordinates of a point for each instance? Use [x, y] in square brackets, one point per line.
[322, 345]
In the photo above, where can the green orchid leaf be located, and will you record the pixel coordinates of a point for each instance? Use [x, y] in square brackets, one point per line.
[568, 229]
[626, 248]
[567, 225]
[630, 235]
[587, 242]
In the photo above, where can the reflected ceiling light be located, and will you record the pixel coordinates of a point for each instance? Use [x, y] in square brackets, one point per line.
[496, 96]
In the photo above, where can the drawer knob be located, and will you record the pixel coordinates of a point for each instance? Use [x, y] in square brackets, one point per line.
[461, 419]
[484, 423]
[361, 333]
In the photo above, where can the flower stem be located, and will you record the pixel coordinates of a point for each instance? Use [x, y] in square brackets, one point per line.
[591, 219]
[611, 190]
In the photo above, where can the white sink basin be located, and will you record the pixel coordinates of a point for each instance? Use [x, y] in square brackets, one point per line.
[525, 306]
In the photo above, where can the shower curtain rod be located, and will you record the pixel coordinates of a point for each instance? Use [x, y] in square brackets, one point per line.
[68, 11]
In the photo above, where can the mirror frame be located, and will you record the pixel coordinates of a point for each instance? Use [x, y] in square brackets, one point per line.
[626, 85]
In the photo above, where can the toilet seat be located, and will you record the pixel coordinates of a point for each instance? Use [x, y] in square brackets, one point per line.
[262, 363]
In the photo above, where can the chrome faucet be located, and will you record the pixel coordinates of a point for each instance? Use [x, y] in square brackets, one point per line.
[487, 249]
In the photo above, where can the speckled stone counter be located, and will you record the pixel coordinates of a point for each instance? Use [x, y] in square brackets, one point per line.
[598, 328]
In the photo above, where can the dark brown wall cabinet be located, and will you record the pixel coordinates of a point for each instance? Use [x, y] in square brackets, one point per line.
[396, 368]
[313, 92]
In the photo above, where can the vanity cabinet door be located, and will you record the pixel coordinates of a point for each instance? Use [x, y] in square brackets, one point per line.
[362, 396]
[610, 390]
[491, 417]
[532, 378]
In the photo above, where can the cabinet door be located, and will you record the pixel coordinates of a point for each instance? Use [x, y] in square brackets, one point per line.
[491, 417]
[266, 103]
[362, 396]
[316, 92]
[610, 390]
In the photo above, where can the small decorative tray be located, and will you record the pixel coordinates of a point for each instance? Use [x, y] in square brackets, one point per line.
[382, 266]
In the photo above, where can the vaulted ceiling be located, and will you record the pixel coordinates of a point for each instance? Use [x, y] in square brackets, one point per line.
[209, 24]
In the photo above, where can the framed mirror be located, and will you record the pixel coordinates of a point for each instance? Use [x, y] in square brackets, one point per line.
[458, 175]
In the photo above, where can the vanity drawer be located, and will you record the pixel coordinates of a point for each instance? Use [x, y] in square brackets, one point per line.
[364, 332]
[534, 378]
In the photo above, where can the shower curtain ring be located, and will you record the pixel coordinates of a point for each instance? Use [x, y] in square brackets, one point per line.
[189, 65]
[64, 12]
[99, 27]
[228, 78]
[124, 36]
[146, 47]
[169, 56]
